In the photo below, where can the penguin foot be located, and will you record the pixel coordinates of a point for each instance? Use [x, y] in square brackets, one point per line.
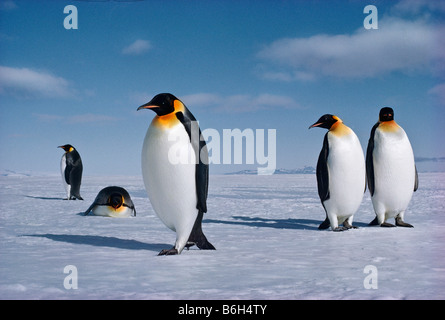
[387, 225]
[401, 223]
[374, 222]
[168, 252]
[349, 226]
[339, 229]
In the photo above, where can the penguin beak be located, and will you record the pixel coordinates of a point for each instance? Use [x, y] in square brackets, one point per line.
[149, 105]
[316, 124]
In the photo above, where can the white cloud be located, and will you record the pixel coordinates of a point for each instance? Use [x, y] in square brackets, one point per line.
[239, 103]
[80, 118]
[24, 81]
[418, 7]
[137, 47]
[439, 92]
[397, 46]
[8, 5]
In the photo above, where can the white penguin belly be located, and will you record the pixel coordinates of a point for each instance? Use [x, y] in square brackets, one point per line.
[62, 169]
[107, 211]
[346, 166]
[394, 172]
[170, 183]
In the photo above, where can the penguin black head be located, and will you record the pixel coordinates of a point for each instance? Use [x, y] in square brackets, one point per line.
[162, 104]
[386, 114]
[67, 147]
[115, 200]
[325, 121]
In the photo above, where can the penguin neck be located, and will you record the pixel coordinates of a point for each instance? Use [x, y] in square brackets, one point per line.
[339, 129]
[169, 120]
[389, 126]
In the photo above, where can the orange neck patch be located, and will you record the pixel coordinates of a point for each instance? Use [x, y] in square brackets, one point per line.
[169, 120]
[389, 126]
[339, 129]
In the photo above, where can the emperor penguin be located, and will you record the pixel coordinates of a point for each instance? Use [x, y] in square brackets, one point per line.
[71, 169]
[391, 170]
[112, 202]
[341, 175]
[175, 170]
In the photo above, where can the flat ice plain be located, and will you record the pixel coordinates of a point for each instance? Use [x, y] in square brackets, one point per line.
[263, 227]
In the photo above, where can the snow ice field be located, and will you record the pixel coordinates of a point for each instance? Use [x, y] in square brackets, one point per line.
[263, 227]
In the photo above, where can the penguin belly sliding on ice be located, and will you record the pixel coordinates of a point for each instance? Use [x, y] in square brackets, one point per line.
[391, 170]
[341, 175]
[71, 169]
[112, 202]
[175, 171]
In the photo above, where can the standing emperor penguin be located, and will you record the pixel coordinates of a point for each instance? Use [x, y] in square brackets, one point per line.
[71, 168]
[175, 170]
[341, 174]
[391, 171]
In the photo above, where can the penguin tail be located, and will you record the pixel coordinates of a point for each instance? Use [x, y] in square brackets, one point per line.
[374, 222]
[197, 237]
[325, 224]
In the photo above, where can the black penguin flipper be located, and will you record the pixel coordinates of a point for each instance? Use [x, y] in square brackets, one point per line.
[202, 157]
[416, 180]
[89, 209]
[75, 179]
[322, 171]
[370, 161]
[201, 177]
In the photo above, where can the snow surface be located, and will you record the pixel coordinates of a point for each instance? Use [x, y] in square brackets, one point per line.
[263, 227]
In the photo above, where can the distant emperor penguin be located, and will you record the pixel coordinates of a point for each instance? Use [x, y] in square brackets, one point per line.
[175, 169]
[341, 174]
[391, 171]
[71, 169]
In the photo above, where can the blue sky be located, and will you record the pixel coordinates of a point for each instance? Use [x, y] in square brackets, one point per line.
[235, 64]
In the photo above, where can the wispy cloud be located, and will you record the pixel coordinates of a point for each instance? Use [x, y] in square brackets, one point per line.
[397, 46]
[240, 103]
[137, 47]
[75, 119]
[29, 82]
[439, 92]
[8, 5]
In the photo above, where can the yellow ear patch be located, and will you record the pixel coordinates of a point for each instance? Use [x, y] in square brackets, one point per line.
[389, 126]
[179, 106]
[71, 149]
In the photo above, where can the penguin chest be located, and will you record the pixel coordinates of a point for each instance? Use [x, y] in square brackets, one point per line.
[346, 167]
[394, 170]
[108, 211]
[168, 169]
[62, 171]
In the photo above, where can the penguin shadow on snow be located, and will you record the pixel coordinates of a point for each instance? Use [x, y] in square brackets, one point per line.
[296, 224]
[300, 224]
[101, 241]
[45, 198]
